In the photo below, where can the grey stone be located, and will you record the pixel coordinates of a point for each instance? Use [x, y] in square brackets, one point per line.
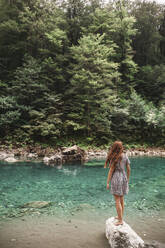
[55, 159]
[70, 154]
[32, 155]
[10, 160]
[154, 244]
[122, 236]
[70, 150]
[4, 155]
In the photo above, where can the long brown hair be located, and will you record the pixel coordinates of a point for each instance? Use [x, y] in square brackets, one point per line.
[115, 153]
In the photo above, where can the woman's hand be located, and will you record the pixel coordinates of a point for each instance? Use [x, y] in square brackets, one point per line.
[107, 185]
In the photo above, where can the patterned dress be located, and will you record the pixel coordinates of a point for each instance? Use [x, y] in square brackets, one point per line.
[119, 182]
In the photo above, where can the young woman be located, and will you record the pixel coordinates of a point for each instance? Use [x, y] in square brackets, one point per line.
[119, 180]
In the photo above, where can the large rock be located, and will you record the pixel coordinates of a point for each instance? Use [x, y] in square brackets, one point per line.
[73, 153]
[70, 150]
[32, 155]
[4, 155]
[46, 160]
[36, 204]
[66, 155]
[53, 160]
[99, 154]
[122, 236]
[10, 160]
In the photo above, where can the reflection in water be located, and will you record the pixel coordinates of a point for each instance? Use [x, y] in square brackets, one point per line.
[69, 171]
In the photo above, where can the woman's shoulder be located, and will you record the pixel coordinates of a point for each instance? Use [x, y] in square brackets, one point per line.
[125, 156]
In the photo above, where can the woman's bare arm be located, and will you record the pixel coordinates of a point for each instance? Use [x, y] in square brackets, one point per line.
[106, 161]
[110, 175]
[128, 171]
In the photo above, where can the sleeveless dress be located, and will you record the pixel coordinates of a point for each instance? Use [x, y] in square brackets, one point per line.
[119, 182]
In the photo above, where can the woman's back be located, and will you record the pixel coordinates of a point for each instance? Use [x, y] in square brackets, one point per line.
[120, 165]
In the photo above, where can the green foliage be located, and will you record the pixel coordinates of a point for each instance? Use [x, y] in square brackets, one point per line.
[150, 83]
[125, 32]
[9, 114]
[147, 40]
[136, 115]
[82, 72]
[91, 88]
[41, 111]
[118, 29]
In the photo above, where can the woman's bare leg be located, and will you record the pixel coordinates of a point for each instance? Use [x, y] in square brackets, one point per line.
[122, 204]
[119, 210]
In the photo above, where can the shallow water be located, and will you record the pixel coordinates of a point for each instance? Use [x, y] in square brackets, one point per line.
[74, 188]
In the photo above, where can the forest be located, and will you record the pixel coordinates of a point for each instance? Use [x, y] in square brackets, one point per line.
[82, 72]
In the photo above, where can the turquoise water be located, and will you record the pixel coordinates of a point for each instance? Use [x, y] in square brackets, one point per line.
[74, 187]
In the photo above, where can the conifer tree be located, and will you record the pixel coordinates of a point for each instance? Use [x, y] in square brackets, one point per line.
[91, 94]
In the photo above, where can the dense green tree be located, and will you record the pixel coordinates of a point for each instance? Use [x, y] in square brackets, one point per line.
[118, 29]
[12, 37]
[147, 40]
[150, 83]
[73, 70]
[41, 107]
[162, 33]
[126, 31]
[9, 114]
[133, 115]
[92, 92]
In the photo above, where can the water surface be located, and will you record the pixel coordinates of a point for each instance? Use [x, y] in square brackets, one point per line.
[76, 187]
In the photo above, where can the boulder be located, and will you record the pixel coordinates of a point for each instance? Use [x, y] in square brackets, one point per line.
[162, 154]
[66, 155]
[122, 236]
[46, 160]
[53, 160]
[72, 154]
[10, 160]
[36, 204]
[4, 155]
[71, 150]
[32, 155]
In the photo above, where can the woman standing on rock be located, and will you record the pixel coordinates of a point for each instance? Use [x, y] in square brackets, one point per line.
[119, 180]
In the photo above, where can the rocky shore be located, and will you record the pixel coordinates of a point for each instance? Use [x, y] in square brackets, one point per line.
[52, 157]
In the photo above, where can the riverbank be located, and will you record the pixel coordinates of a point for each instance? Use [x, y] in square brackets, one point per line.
[83, 230]
[51, 156]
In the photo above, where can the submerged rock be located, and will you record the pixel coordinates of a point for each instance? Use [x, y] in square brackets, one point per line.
[84, 206]
[36, 204]
[122, 236]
